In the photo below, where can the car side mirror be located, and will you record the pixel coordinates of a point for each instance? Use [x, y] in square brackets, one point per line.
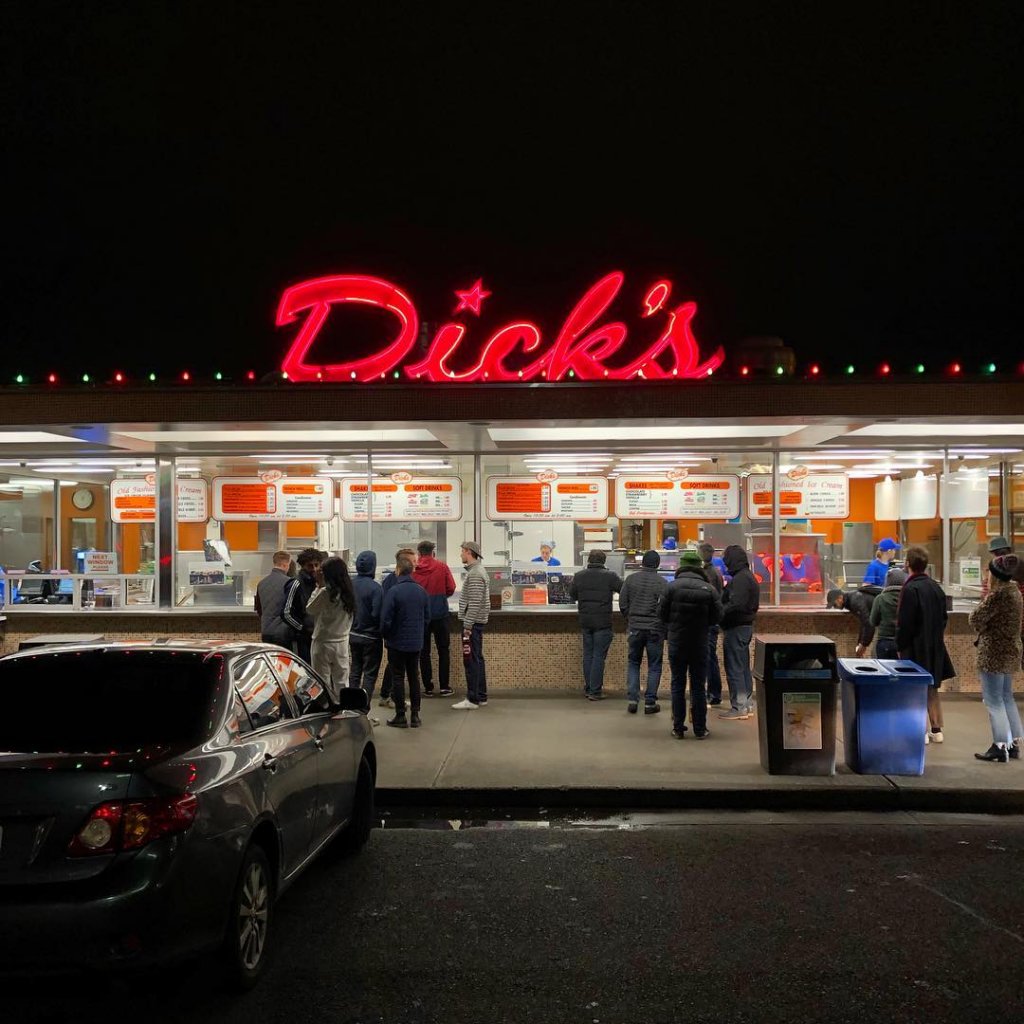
[353, 698]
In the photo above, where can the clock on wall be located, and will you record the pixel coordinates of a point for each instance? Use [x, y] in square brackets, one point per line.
[82, 498]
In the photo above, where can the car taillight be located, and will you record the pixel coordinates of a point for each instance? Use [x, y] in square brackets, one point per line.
[129, 825]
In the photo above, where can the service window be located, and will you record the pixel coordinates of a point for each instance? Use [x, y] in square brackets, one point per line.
[260, 693]
[299, 682]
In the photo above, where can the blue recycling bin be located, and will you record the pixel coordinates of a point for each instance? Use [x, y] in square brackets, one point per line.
[885, 715]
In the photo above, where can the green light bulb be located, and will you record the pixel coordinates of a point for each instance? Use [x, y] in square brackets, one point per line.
[20, 379]
[779, 371]
[851, 368]
[920, 367]
[218, 376]
[991, 368]
[85, 378]
[152, 376]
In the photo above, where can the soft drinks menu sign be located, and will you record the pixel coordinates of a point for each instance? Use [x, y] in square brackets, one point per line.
[402, 498]
[252, 499]
[647, 496]
[562, 497]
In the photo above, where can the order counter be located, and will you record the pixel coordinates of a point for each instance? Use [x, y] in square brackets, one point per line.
[528, 648]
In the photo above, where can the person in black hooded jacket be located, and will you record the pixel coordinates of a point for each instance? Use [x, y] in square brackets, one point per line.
[858, 602]
[740, 603]
[365, 641]
[689, 608]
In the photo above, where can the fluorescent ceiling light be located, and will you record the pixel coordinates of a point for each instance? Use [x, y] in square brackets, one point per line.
[939, 429]
[35, 437]
[268, 436]
[638, 433]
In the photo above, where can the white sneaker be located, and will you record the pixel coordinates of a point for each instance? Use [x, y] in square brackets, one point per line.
[927, 738]
[937, 737]
[465, 705]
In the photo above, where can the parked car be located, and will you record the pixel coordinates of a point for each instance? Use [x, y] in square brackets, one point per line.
[156, 799]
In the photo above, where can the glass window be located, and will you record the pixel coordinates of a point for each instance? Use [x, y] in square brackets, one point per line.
[298, 681]
[238, 720]
[26, 523]
[103, 701]
[258, 687]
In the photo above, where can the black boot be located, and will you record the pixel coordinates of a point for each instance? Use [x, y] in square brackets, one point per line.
[1014, 750]
[399, 721]
[994, 753]
[414, 722]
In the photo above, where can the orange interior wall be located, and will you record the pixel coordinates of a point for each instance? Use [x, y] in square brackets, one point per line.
[191, 536]
[241, 536]
[301, 528]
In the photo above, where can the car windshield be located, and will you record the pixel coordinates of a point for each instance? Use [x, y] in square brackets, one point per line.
[105, 701]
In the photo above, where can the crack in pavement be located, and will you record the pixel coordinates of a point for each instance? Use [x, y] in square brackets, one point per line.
[970, 911]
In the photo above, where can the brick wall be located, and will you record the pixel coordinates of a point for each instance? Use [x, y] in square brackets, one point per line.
[523, 651]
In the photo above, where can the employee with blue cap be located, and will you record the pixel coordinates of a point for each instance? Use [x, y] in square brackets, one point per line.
[545, 555]
[875, 576]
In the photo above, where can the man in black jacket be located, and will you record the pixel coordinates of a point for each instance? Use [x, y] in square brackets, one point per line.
[592, 590]
[299, 593]
[740, 602]
[639, 599]
[707, 554]
[858, 602]
[921, 619]
[689, 608]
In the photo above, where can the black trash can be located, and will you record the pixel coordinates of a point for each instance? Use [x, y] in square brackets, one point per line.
[796, 703]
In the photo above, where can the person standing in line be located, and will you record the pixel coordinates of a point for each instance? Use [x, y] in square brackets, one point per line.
[882, 616]
[876, 571]
[365, 643]
[389, 581]
[707, 554]
[740, 603]
[592, 590]
[997, 620]
[403, 619]
[639, 600]
[920, 628]
[689, 609]
[857, 602]
[299, 593]
[332, 606]
[271, 593]
[436, 579]
[474, 611]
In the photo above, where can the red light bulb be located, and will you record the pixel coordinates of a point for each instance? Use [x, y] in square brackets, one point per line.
[815, 369]
[885, 369]
[744, 371]
[119, 377]
[186, 376]
[52, 378]
[251, 375]
[955, 368]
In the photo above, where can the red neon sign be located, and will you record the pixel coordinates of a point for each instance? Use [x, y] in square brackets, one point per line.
[584, 348]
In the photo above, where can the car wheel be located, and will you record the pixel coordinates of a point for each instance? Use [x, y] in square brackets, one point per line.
[246, 943]
[353, 836]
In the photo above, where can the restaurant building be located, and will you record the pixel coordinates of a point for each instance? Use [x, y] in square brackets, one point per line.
[139, 507]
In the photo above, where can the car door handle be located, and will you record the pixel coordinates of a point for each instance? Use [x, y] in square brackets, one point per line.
[270, 763]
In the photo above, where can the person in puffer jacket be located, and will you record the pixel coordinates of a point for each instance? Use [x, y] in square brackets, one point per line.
[639, 601]
[367, 647]
[689, 608]
[436, 579]
[882, 616]
[740, 603]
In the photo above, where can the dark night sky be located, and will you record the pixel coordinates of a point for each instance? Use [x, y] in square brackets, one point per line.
[847, 180]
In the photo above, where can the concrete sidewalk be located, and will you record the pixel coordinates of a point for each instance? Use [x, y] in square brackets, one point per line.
[558, 751]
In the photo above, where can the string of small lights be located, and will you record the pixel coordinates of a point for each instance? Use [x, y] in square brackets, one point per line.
[743, 371]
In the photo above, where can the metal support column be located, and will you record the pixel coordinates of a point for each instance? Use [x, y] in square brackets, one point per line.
[166, 526]
[947, 535]
[774, 569]
[478, 502]
[369, 500]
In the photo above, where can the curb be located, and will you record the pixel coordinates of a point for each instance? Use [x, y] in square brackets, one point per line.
[949, 801]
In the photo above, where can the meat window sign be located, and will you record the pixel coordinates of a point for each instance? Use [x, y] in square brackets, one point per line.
[591, 345]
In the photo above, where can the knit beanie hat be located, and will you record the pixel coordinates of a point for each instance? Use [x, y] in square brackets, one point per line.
[651, 560]
[692, 558]
[1004, 567]
[895, 578]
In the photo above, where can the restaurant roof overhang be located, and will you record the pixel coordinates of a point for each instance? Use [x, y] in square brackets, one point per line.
[705, 414]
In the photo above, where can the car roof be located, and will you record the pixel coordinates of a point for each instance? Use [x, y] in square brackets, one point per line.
[184, 645]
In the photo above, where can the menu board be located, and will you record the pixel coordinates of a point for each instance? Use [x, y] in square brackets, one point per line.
[425, 498]
[817, 496]
[133, 500]
[248, 499]
[693, 497]
[564, 497]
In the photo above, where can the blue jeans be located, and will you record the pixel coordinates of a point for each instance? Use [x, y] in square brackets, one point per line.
[736, 646]
[639, 641]
[595, 650]
[689, 655]
[1003, 716]
[714, 672]
[885, 647]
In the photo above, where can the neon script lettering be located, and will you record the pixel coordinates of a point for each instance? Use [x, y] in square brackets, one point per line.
[584, 348]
